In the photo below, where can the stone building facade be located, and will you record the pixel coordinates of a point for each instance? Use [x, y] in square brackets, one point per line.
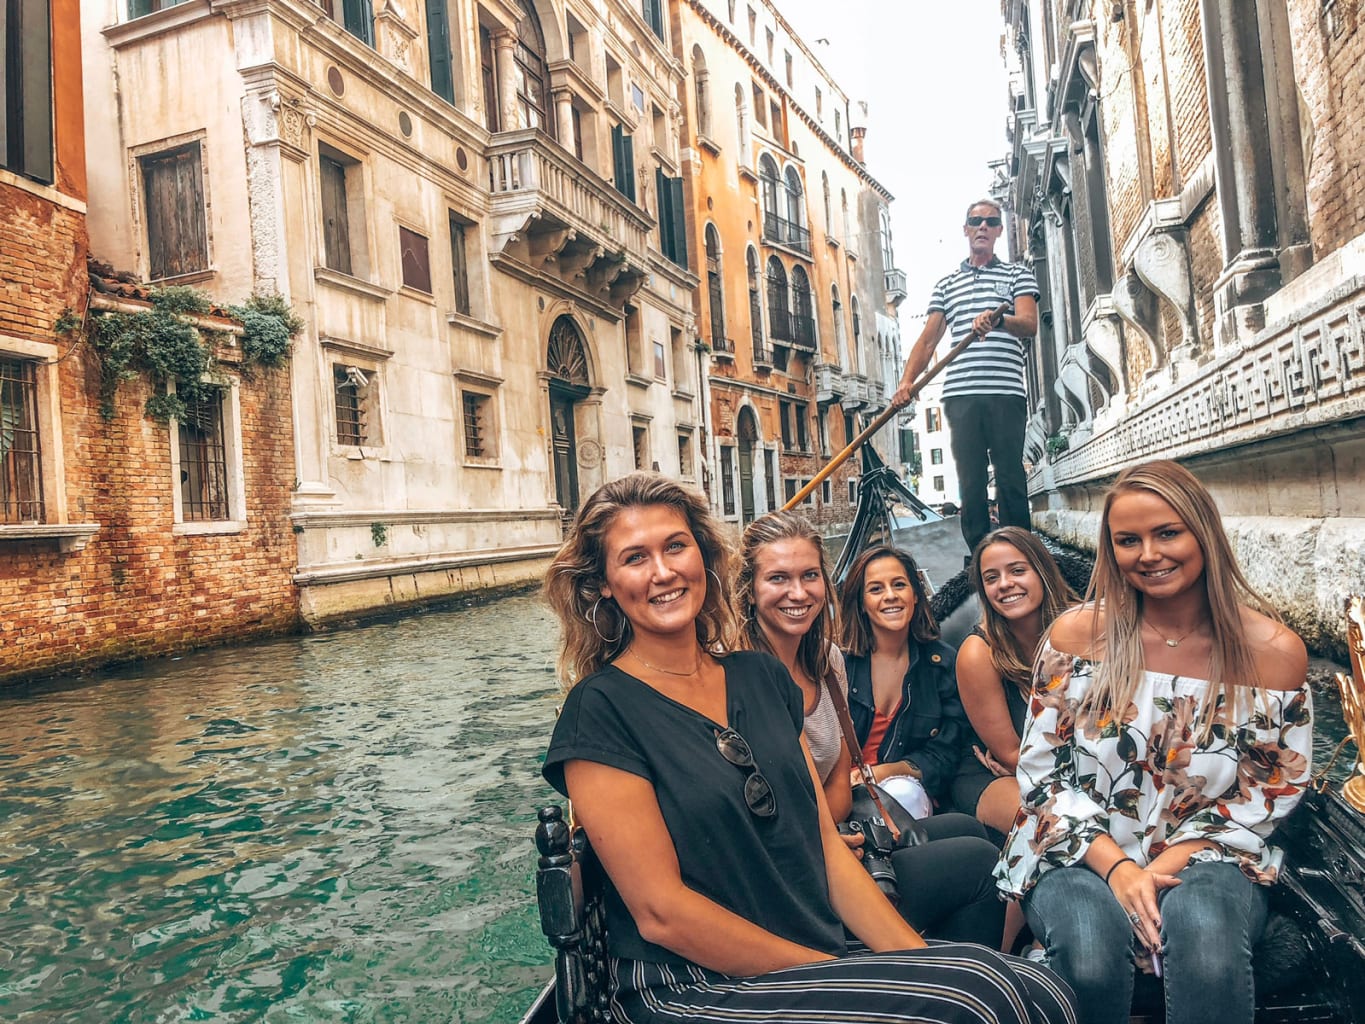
[98, 556]
[1186, 184]
[476, 208]
[797, 285]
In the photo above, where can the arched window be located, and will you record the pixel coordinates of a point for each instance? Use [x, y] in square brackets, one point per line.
[848, 230]
[742, 123]
[532, 78]
[755, 308]
[796, 199]
[715, 290]
[803, 309]
[840, 330]
[701, 87]
[829, 216]
[857, 329]
[779, 303]
[565, 359]
[888, 251]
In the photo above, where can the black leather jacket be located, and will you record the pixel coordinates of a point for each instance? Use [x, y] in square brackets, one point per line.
[929, 725]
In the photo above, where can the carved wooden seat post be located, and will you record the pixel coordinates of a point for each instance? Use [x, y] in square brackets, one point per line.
[569, 889]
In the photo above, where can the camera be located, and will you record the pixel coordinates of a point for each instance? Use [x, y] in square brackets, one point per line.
[878, 843]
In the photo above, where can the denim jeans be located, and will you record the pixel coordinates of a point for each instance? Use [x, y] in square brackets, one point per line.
[1210, 924]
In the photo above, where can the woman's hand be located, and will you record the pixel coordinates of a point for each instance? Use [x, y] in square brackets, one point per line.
[991, 764]
[1136, 889]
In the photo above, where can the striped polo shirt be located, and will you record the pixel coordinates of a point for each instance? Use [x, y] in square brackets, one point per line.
[993, 365]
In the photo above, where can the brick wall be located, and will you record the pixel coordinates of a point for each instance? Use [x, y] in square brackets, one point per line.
[1329, 62]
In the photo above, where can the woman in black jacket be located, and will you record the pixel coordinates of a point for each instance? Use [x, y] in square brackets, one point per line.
[902, 691]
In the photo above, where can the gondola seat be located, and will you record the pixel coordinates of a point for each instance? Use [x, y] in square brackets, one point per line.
[569, 890]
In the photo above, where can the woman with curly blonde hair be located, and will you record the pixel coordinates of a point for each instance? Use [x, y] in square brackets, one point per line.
[728, 888]
[1169, 731]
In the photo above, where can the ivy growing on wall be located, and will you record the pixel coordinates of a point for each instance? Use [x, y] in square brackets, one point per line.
[162, 345]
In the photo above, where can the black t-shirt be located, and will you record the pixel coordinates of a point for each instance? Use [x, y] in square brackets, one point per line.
[769, 871]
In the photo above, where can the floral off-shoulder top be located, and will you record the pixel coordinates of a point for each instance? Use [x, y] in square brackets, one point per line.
[1144, 778]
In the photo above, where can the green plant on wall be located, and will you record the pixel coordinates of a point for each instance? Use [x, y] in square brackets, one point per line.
[161, 344]
[379, 533]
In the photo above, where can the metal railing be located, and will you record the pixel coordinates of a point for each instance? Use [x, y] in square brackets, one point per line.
[785, 232]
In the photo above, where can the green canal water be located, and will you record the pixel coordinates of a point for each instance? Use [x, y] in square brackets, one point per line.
[325, 828]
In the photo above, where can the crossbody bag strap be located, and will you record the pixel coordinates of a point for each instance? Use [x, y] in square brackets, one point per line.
[855, 751]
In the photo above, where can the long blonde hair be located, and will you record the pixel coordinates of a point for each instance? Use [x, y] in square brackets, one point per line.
[1233, 672]
[812, 654]
[594, 628]
[1010, 658]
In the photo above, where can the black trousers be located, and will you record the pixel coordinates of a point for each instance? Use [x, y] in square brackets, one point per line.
[989, 429]
[946, 886]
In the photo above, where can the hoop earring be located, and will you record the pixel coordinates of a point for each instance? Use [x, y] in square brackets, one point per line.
[716, 576]
[592, 617]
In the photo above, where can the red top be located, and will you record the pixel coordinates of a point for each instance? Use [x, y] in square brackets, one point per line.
[880, 723]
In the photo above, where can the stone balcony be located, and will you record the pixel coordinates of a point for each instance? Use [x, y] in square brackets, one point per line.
[553, 221]
[895, 287]
[829, 383]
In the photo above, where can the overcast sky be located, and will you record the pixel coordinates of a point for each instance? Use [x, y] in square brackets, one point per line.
[932, 76]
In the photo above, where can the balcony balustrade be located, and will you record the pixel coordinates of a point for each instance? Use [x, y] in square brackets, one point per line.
[803, 331]
[829, 382]
[781, 231]
[895, 286]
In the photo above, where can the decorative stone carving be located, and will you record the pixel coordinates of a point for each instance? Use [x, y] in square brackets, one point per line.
[1135, 305]
[1105, 345]
[1073, 377]
[1162, 261]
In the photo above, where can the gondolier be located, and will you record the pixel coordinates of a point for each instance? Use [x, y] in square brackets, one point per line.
[983, 392]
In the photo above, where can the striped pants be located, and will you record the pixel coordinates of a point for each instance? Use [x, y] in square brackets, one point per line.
[948, 983]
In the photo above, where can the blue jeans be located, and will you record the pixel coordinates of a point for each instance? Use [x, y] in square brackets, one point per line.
[1209, 925]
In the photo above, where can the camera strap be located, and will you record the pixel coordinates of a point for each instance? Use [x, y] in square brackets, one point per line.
[855, 751]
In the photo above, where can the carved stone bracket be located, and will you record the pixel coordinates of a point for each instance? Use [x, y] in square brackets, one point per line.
[1162, 261]
[1105, 345]
[1135, 305]
[1073, 376]
[395, 34]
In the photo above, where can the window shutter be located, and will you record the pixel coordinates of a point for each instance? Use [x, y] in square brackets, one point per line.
[438, 50]
[26, 90]
[359, 18]
[336, 229]
[663, 199]
[459, 261]
[675, 192]
[174, 189]
[628, 160]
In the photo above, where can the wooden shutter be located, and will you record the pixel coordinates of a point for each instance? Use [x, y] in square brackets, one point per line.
[675, 193]
[459, 261]
[662, 198]
[26, 89]
[415, 259]
[438, 50]
[336, 229]
[628, 165]
[359, 19]
[654, 16]
[176, 236]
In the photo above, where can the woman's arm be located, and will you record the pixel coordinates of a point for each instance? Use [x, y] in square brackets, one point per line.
[983, 698]
[838, 792]
[620, 813]
[861, 906]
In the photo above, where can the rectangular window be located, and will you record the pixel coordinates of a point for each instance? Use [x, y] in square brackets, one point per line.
[635, 355]
[639, 437]
[637, 97]
[819, 103]
[933, 420]
[137, 8]
[770, 477]
[459, 263]
[21, 470]
[802, 429]
[438, 50]
[685, 456]
[936, 456]
[769, 35]
[352, 405]
[809, 500]
[789, 488]
[623, 161]
[788, 57]
[853, 492]
[478, 430]
[776, 126]
[672, 223]
[355, 16]
[490, 80]
[660, 361]
[203, 460]
[336, 221]
[753, 25]
[177, 237]
[827, 492]
[822, 425]
[727, 480]
[653, 11]
[26, 88]
[784, 410]
[938, 483]
[760, 105]
[415, 259]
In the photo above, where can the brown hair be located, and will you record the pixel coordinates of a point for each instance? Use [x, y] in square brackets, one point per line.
[1011, 660]
[594, 628]
[856, 637]
[812, 654]
[1232, 660]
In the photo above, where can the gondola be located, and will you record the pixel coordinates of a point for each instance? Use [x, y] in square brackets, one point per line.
[1310, 967]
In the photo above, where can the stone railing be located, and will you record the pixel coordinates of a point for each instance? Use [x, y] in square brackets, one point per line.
[526, 167]
[1306, 372]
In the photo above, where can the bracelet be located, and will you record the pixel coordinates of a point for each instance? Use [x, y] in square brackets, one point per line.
[1114, 866]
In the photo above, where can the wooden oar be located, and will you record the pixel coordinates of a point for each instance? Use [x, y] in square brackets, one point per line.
[887, 413]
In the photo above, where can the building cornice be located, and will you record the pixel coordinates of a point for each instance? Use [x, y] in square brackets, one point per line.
[760, 71]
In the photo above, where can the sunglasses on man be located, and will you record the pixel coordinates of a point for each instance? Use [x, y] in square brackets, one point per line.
[976, 222]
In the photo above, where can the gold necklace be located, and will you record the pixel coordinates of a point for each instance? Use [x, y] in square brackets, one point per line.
[1168, 641]
[668, 671]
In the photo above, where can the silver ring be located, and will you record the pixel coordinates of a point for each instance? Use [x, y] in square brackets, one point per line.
[1134, 918]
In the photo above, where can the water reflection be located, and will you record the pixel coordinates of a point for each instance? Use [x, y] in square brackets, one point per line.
[334, 827]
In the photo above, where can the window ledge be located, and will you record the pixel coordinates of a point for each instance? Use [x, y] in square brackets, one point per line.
[147, 25]
[366, 290]
[417, 295]
[638, 380]
[220, 526]
[683, 396]
[193, 277]
[472, 463]
[473, 324]
[748, 172]
[355, 453]
[707, 143]
[69, 536]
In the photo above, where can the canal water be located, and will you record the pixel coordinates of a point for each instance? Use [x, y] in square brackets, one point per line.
[326, 828]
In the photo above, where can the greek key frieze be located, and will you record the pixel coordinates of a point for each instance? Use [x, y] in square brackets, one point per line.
[1306, 374]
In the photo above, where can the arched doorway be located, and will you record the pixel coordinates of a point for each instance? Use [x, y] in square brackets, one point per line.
[748, 434]
[567, 364]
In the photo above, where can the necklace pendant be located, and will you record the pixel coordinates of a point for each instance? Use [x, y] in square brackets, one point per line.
[1172, 643]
